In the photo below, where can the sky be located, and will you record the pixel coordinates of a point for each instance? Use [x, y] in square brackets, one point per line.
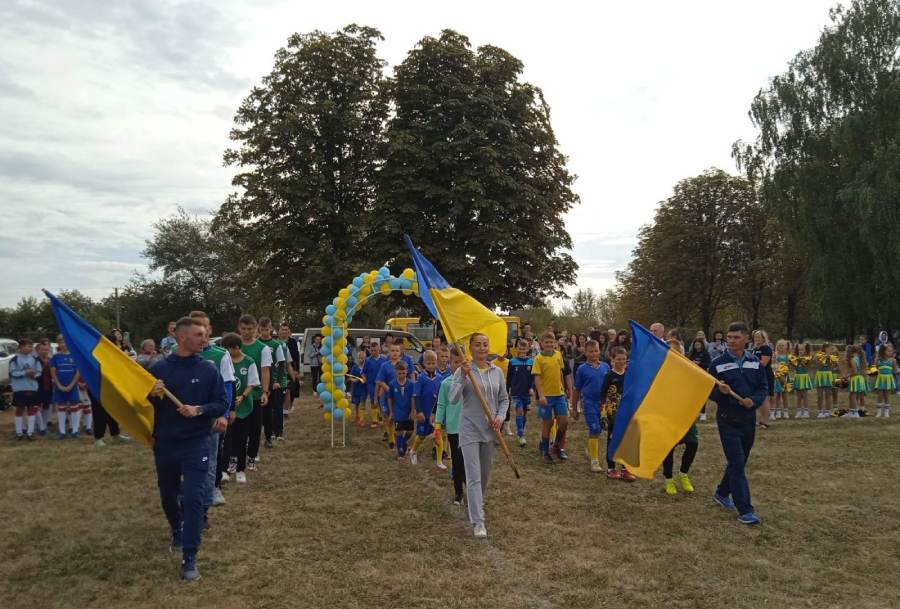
[115, 113]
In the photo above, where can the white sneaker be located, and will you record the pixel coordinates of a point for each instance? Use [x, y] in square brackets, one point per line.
[218, 497]
[480, 531]
[240, 477]
[887, 412]
[225, 477]
[440, 465]
[522, 441]
[878, 412]
[413, 458]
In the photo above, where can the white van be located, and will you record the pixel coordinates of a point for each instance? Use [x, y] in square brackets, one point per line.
[414, 347]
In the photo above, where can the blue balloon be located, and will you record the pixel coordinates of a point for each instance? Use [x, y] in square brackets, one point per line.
[358, 282]
[337, 367]
[325, 350]
[384, 271]
[337, 414]
[329, 320]
[329, 407]
[325, 396]
[405, 284]
[328, 341]
[320, 388]
[335, 301]
[395, 284]
[337, 333]
[330, 309]
[351, 302]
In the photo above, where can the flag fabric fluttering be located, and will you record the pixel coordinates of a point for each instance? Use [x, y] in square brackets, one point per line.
[460, 314]
[663, 395]
[119, 382]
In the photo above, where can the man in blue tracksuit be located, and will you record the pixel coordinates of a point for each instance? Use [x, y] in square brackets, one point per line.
[738, 373]
[182, 433]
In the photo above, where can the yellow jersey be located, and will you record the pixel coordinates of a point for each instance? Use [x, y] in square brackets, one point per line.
[550, 369]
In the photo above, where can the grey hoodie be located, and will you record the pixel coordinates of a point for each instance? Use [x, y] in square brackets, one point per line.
[473, 425]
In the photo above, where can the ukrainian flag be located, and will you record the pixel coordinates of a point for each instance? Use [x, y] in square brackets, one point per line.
[664, 392]
[460, 314]
[120, 383]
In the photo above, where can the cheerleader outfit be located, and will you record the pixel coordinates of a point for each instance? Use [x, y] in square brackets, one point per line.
[779, 360]
[885, 379]
[858, 382]
[825, 376]
[802, 380]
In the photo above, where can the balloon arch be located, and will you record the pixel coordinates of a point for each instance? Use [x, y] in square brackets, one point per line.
[335, 351]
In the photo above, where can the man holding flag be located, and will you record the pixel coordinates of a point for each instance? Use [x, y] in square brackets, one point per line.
[741, 388]
[181, 431]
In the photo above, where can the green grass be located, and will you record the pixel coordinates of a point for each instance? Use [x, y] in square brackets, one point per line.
[349, 527]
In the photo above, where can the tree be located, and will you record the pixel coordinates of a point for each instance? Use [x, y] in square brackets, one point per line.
[826, 157]
[474, 174]
[685, 265]
[309, 143]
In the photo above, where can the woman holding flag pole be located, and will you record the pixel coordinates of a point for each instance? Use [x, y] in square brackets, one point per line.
[478, 385]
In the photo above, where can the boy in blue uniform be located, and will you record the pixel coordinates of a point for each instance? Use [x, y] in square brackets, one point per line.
[520, 385]
[358, 388]
[370, 372]
[65, 389]
[400, 399]
[589, 385]
[428, 384]
[738, 373]
[387, 374]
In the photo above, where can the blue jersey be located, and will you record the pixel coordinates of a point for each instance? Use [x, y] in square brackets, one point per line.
[401, 399]
[65, 368]
[411, 370]
[387, 374]
[519, 380]
[589, 380]
[444, 373]
[359, 388]
[371, 368]
[427, 388]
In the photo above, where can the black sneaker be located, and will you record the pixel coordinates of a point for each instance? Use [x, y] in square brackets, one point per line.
[548, 460]
[175, 545]
[561, 453]
[268, 443]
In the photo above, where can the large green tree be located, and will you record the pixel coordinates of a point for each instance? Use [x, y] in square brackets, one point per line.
[827, 158]
[688, 261]
[308, 143]
[474, 174]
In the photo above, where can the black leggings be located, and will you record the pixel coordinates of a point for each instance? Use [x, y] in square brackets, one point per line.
[459, 468]
[315, 372]
[102, 419]
[690, 451]
[236, 441]
[610, 464]
[273, 414]
[254, 423]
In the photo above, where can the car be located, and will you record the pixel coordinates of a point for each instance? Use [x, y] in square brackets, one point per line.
[414, 347]
[8, 348]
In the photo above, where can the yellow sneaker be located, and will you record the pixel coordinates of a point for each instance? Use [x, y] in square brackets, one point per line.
[595, 466]
[670, 487]
[685, 483]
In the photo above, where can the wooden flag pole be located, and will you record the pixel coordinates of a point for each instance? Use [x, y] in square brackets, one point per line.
[490, 419]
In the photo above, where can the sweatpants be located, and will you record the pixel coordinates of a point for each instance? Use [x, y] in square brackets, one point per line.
[690, 451]
[273, 414]
[254, 424]
[477, 457]
[187, 459]
[459, 466]
[239, 432]
[211, 469]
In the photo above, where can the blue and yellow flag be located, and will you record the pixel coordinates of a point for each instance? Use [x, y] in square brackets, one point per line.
[119, 382]
[460, 314]
[664, 392]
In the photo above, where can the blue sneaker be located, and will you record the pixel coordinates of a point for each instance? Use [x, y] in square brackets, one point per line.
[189, 571]
[60, 435]
[725, 502]
[175, 545]
[749, 518]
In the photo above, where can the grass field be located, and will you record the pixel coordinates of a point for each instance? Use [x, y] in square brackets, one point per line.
[349, 527]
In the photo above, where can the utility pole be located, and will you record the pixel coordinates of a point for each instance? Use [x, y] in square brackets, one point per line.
[118, 320]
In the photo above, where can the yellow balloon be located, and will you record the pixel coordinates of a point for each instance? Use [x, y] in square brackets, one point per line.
[340, 302]
[324, 320]
[364, 291]
[344, 292]
[368, 279]
[343, 403]
[327, 416]
[407, 292]
[408, 273]
[326, 367]
[326, 330]
[337, 395]
[348, 413]
[342, 358]
[326, 377]
[415, 287]
[385, 288]
[340, 315]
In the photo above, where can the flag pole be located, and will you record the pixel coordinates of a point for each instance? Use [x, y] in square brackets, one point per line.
[487, 413]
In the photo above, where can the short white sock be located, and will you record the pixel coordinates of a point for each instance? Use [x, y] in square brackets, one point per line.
[61, 417]
[31, 425]
[75, 420]
[20, 425]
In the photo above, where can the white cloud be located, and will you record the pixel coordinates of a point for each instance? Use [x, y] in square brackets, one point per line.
[115, 113]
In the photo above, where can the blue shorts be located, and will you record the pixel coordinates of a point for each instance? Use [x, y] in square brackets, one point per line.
[66, 397]
[523, 402]
[556, 406]
[357, 397]
[424, 429]
[592, 417]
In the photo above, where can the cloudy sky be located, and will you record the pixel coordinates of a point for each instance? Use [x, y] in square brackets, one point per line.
[114, 113]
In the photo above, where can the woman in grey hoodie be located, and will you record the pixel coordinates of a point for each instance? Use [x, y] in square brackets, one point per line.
[476, 433]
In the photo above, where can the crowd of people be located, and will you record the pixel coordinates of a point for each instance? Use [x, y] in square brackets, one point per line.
[217, 404]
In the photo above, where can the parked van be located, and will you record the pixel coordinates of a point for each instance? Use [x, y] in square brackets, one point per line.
[414, 347]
